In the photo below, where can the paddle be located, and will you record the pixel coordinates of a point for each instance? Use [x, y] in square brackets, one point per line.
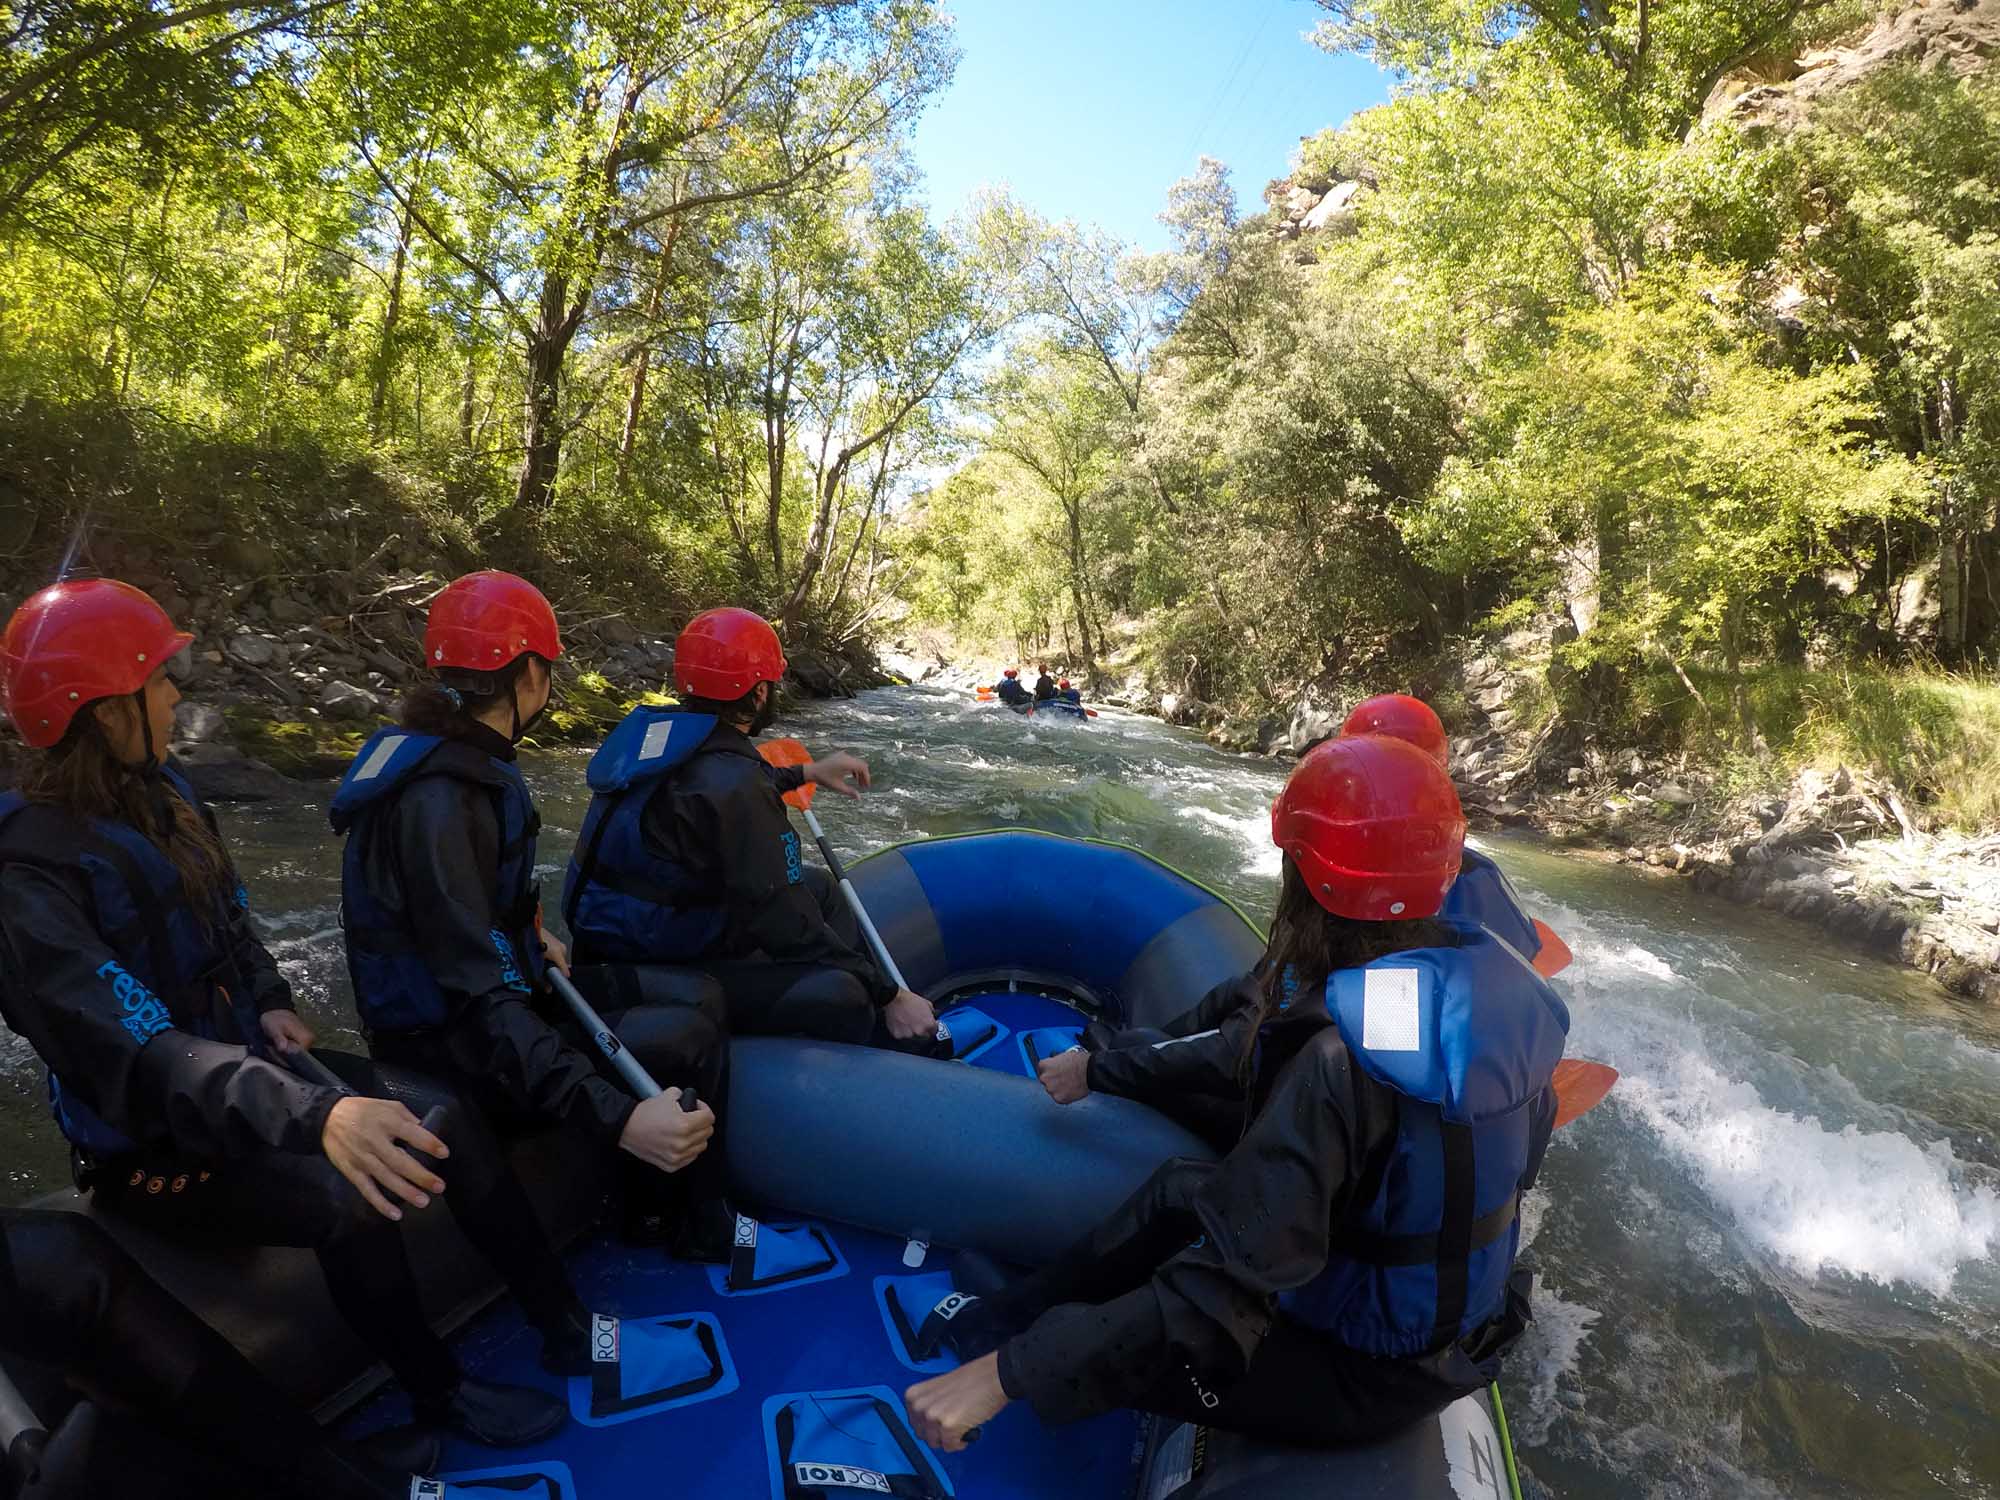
[1580, 1087]
[615, 1052]
[22, 1435]
[792, 753]
[1554, 955]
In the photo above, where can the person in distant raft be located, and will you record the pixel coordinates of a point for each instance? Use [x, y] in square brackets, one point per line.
[444, 941]
[128, 962]
[1072, 696]
[1010, 691]
[170, 1411]
[1045, 685]
[1348, 1267]
[687, 856]
[1482, 894]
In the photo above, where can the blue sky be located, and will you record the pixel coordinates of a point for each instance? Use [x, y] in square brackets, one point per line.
[1089, 110]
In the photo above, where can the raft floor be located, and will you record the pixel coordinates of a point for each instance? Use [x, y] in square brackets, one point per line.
[823, 1335]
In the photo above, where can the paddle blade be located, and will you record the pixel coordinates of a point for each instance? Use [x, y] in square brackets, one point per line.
[790, 753]
[1554, 955]
[1580, 1087]
[985, 694]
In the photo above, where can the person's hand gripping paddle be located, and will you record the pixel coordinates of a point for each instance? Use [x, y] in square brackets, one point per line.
[667, 1134]
[791, 753]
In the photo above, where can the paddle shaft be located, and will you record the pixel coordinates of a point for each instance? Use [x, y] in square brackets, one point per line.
[17, 1421]
[854, 901]
[615, 1052]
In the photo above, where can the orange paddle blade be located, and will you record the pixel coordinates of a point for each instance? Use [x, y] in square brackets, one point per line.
[1554, 956]
[1580, 1087]
[790, 753]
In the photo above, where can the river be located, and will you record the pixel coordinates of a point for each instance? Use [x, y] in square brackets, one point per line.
[1770, 1262]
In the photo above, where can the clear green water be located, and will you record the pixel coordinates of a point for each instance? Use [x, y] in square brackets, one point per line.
[1771, 1262]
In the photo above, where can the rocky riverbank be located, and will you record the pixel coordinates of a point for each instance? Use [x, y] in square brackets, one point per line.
[288, 675]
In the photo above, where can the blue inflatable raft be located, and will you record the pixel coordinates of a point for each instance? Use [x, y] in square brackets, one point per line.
[782, 1375]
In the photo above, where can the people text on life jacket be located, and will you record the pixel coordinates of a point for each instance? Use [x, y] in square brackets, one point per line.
[688, 856]
[1482, 895]
[442, 914]
[172, 1401]
[129, 962]
[1391, 1072]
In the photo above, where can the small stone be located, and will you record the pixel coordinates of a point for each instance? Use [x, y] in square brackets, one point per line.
[1673, 794]
[1640, 789]
[1576, 776]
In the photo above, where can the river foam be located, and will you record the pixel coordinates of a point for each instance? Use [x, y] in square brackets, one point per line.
[1852, 1200]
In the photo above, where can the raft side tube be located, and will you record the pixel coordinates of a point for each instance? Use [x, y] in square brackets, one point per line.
[1145, 938]
[975, 1158]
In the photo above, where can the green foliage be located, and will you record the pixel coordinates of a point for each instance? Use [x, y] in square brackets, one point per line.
[512, 252]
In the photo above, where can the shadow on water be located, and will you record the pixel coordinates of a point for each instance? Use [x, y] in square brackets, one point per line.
[1769, 1262]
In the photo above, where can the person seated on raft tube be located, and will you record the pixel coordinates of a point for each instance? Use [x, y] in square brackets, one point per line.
[178, 1412]
[1010, 691]
[1348, 1267]
[1045, 685]
[444, 940]
[1067, 694]
[1482, 895]
[687, 855]
[127, 961]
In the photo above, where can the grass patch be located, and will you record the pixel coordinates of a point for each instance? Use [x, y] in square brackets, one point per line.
[587, 706]
[1933, 733]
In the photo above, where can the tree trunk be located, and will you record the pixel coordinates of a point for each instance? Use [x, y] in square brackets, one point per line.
[541, 428]
[1074, 511]
[635, 403]
[468, 390]
[385, 352]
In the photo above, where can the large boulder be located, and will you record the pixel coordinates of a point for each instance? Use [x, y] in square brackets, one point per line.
[253, 650]
[222, 773]
[198, 723]
[343, 700]
[1959, 36]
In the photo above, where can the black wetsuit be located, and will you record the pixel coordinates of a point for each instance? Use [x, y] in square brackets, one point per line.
[1170, 1305]
[790, 958]
[173, 1409]
[521, 1057]
[1045, 688]
[224, 1144]
[1012, 693]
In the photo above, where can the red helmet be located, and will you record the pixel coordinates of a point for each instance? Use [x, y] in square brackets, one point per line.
[1374, 826]
[1011, 672]
[1402, 717]
[1064, 683]
[484, 621]
[74, 643]
[724, 653]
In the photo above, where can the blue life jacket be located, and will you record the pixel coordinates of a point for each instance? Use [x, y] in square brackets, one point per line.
[1482, 896]
[393, 986]
[1468, 1038]
[624, 900]
[168, 964]
[1011, 691]
[1073, 696]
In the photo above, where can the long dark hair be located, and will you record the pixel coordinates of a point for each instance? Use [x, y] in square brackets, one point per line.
[1309, 943]
[81, 775]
